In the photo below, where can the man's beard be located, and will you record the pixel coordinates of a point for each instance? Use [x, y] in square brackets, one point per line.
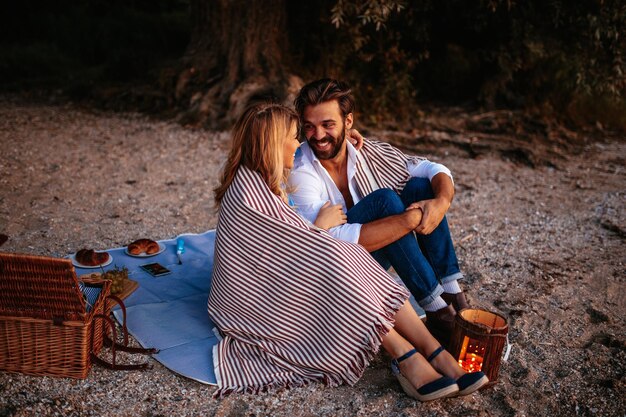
[333, 150]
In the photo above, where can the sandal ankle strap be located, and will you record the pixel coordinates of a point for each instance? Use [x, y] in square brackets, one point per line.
[435, 353]
[406, 356]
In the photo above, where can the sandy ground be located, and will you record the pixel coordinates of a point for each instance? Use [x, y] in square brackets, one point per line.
[540, 242]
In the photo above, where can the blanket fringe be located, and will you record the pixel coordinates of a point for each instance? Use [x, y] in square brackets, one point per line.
[353, 370]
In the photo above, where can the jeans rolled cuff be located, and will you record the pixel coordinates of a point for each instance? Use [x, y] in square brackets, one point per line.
[452, 277]
[431, 297]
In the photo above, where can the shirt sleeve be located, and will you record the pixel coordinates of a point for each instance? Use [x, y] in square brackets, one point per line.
[309, 195]
[423, 168]
[349, 232]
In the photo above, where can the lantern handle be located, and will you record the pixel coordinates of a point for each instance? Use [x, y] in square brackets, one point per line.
[508, 349]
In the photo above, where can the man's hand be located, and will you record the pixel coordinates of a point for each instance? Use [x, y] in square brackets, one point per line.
[355, 138]
[433, 212]
[330, 216]
[413, 216]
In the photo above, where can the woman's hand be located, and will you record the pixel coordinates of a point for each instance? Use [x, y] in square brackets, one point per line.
[355, 138]
[330, 216]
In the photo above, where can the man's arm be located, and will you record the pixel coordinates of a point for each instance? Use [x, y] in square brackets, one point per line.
[422, 216]
[382, 232]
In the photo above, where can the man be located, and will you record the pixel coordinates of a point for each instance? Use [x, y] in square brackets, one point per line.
[386, 195]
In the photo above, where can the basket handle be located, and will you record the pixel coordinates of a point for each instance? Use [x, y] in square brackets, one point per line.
[125, 347]
[113, 365]
[123, 308]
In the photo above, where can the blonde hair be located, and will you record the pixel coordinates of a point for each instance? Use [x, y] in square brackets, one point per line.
[257, 143]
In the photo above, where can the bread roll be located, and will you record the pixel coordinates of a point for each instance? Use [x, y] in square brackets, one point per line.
[90, 257]
[146, 246]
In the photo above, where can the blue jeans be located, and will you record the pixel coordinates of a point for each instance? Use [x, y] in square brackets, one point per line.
[421, 261]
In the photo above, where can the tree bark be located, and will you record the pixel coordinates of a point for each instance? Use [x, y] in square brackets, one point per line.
[236, 56]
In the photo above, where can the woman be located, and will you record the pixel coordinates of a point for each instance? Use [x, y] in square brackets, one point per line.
[292, 304]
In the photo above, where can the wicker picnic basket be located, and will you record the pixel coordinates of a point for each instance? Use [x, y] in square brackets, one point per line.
[50, 324]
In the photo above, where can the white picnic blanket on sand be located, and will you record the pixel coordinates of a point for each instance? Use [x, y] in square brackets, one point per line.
[169, 312]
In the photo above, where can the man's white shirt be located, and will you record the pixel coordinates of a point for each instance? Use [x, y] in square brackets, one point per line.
[311, 186]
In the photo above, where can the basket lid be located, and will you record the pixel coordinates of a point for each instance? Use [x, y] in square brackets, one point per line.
[39, 287]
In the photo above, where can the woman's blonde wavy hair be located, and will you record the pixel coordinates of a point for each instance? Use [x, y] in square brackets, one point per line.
[257, 143]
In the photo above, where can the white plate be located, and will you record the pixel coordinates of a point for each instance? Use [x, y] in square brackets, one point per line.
[145, 255]
[79, 265]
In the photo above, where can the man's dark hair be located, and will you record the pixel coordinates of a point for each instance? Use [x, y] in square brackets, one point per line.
[324, 90]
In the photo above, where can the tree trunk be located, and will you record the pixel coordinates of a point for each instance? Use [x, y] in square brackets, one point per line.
[236, 56]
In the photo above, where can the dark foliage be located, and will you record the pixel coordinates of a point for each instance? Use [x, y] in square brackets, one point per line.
[552, 55]
[556, 55]
[76, 44]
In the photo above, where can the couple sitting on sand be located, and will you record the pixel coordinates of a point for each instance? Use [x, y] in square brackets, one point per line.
[300, 291]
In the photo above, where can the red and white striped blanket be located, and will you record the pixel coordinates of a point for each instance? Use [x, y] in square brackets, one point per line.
[387, 166]
[293, 305]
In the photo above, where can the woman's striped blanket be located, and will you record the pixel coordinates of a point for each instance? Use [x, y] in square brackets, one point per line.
[292, 304]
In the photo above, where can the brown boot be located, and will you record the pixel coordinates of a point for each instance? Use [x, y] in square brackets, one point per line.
[458, 300]
[440, 323]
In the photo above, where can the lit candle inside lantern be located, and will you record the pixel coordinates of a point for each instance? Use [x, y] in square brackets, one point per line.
[472, 362]
[471, 357]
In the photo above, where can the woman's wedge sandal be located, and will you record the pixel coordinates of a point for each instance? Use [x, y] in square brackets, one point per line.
[440, 388]
[468, 383]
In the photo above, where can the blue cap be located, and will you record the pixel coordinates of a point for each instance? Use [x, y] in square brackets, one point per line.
[180, 246]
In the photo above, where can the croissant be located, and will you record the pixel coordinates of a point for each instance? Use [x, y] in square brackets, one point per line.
[143, 246]
[90, 257]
